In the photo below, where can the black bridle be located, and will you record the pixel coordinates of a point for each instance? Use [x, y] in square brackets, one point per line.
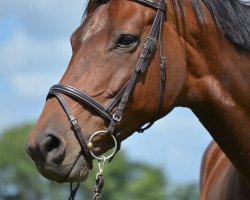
[121, 99]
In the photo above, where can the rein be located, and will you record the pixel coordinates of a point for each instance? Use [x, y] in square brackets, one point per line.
[120, 100]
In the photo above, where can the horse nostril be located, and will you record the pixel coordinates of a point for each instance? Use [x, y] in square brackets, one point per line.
[52, 148]
[51, 143]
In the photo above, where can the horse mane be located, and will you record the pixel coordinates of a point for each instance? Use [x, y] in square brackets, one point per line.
[230, 16]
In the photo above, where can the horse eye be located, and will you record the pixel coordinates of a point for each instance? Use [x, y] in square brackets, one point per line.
[126, 41]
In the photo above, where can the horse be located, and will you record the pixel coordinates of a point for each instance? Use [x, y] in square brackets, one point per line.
[113, 86]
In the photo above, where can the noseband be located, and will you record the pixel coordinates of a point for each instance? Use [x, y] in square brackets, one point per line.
[121, 99]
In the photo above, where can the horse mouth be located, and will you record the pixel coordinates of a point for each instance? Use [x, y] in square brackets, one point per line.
[76, 171]
[79, 171]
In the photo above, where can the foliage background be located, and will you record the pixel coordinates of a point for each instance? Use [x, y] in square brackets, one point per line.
[124, 179]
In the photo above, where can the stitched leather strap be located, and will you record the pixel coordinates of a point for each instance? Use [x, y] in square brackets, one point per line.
[163, 71]
[123, 95]
[74, 125]
[141, 66]
[83, 98]
[151, 3]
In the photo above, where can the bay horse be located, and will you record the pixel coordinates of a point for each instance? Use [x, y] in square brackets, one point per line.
[114, 85]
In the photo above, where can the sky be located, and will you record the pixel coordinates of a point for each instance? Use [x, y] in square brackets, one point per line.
[34, 53]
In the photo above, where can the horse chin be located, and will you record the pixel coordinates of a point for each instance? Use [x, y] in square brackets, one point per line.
[77, 171]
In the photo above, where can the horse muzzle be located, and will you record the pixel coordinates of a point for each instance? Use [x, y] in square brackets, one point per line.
[49, 153]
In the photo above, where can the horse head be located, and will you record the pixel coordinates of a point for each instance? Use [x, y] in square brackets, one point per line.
[106, 48]
[134, 61]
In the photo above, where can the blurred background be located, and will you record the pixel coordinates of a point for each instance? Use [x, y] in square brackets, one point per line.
[164, 162]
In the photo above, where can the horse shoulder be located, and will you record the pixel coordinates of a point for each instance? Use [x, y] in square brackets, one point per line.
[219, 179]
[216, 173]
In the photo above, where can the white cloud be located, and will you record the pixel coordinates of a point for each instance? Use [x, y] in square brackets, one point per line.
[34, 84]
[34, 53]
[22, 52]
[39, 47]
[45, 18]
[30, 64]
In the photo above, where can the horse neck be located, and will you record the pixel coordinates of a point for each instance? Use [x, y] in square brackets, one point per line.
[218, 88]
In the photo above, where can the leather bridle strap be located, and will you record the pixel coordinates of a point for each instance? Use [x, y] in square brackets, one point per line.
[162, 73]
[74, 125]
[83, 98]
[151, 3]
[122, 97]
[142, 64]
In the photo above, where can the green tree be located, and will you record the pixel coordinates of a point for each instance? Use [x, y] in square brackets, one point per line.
[124, 179]
[18, 176]
[188, 191]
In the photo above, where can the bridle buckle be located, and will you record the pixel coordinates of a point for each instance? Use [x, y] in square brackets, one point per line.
[150, 43]
[116, 118]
